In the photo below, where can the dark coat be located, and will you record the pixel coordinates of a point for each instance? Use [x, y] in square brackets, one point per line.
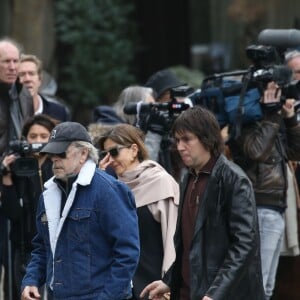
[263, 150]
[224, 255]
[55, 109]
[8, 94]
[29, 188]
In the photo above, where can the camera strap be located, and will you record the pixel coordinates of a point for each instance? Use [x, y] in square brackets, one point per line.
[240, 109]
[138, 112]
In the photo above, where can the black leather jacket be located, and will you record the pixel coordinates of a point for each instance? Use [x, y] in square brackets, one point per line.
[24, 101]
[224, 255]
[263, 151]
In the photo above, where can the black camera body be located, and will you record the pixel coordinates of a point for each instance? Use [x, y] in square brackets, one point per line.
[23, 147]
[25, 165]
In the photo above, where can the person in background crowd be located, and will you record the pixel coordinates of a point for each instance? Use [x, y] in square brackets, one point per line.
[263, 151]
[292, 60]
[160, 147]
[87, 242]
[22, 185]
[105, 116]
[110, 115]
[30, 75]
[156, 196]
[15, 108]
[162, 82]
[217, 237]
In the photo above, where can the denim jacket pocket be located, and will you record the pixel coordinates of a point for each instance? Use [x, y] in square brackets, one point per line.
[78, 224]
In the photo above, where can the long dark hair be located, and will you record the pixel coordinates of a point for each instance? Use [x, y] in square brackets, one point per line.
[201, 122]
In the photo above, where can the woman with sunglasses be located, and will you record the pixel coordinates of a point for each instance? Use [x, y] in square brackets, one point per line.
[24, 172]
[156, 195]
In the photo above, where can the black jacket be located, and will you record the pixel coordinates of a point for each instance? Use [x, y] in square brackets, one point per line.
[20, 96]
[55, 109]
[263, 151]
[224, 255]
[23, 216]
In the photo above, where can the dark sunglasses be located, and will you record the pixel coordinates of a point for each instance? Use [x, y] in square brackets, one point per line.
[60, 155]
[114, 152]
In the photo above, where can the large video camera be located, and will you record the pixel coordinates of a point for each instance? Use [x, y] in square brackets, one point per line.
[24, 165]
[167, 112]
[236, 95]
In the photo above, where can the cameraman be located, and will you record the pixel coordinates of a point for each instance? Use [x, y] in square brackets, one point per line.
[20, 192]
[263, 150]
[157, 124]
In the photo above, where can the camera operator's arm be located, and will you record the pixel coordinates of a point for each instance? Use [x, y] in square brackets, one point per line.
[292, 129]
[152, 143]
[155, 126]
[9, 199]
[6, 174]
[258, 138]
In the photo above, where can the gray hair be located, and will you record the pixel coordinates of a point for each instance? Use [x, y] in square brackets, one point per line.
[289, 55]
[134, 93]
[93, 151]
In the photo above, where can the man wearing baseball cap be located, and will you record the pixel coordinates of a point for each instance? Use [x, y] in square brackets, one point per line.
[87, 244]
[162, 82]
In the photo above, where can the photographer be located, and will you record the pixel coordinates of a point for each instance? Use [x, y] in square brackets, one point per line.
[263, 150]
[23, 173]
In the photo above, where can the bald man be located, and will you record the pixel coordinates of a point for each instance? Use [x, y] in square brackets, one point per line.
[15, 102]
[15, 107]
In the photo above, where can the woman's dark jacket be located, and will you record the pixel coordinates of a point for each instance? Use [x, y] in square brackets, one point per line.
[22, 218]
[224, 255]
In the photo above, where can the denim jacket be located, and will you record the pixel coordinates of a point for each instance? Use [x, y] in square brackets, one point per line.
[91, 250]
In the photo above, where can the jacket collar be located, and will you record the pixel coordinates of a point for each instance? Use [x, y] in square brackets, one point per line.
[52, 201]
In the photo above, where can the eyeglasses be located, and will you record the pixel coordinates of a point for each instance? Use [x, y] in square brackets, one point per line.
[114, 152]
[62, 155]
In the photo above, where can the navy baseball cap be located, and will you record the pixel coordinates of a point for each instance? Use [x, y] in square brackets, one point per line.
[63, 135]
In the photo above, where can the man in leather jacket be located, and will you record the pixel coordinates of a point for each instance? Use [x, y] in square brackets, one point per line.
[263, 150]
[15, 102]
[15, 107]
[216, 239]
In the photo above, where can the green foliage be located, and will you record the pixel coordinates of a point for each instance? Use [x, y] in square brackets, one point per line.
[97, 38]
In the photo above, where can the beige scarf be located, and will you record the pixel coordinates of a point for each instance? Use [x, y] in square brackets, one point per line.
[150, 182]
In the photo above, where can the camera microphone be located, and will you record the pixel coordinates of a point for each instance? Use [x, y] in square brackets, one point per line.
[284, 38]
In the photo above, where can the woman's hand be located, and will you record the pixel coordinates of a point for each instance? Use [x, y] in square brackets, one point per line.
[8, 160]
[6, 164]
[105, 162]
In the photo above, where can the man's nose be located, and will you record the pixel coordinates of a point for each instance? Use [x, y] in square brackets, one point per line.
[12, 65]
[26, 77]
[179, 145]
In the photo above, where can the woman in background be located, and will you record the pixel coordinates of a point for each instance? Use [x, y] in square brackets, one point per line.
[23, 176]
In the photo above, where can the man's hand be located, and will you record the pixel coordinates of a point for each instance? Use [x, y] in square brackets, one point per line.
[30, 293]
[207, 298]
[288, 110]
[272, 94]
[156, 290]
